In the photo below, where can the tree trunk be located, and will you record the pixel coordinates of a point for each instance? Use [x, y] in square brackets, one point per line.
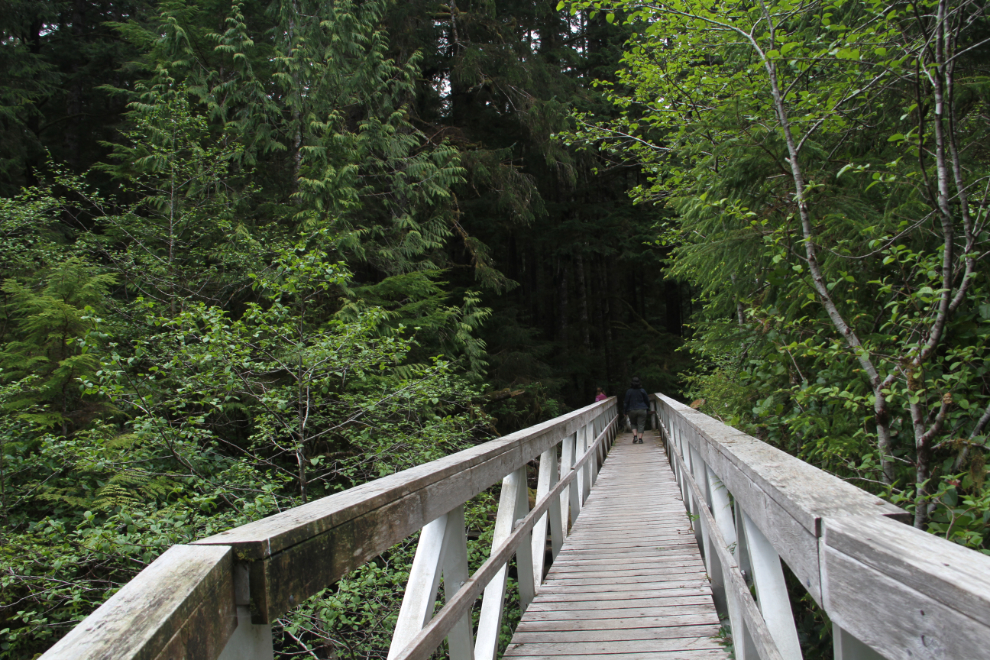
[562, 300]
[672, 306]
[611, 298]
[582, 301]
[604, 317]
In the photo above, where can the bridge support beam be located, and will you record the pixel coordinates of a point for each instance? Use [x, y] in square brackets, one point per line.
[771, 590]
[549, 475]
[513, 505]
[442, 550]
[250, 641]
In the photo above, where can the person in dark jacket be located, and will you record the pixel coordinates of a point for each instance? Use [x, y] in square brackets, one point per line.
[637, 405]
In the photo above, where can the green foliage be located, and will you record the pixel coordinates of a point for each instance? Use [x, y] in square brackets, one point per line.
[28, 233]
[179, 240]
[823, 163]
[238, 370]
[262, 267]
[50, 335]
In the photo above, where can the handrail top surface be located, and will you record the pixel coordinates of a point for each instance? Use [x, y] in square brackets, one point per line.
[899, 590]
[273, 534]
[940, 569]
[806, 492]
[148, 615]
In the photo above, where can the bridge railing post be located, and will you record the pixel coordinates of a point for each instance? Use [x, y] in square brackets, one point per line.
[548, 476]
[512, 505]
[847, 647]
[250, 641]
[596, 462]
[771, 590]
[751, 637]
[442, 550]
[574, 489]
[588, 470]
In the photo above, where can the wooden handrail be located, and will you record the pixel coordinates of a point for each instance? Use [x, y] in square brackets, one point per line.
[199, 601]
[423, 645]
[890, 590]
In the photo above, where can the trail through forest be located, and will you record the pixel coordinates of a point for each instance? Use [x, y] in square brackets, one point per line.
[255, 253]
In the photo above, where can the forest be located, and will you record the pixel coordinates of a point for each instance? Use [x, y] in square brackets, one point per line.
[256, 253]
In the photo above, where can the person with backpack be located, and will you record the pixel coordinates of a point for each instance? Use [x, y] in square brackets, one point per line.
[637, 406]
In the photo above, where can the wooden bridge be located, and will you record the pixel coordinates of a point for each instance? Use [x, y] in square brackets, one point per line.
[671, 549]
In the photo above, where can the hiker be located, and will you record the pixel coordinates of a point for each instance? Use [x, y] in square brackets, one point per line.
[600, 395]
[637, 406]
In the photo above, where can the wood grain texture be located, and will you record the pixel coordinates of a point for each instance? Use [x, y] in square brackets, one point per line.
[785, 497]
[940, 569]
[181, 606]
[337, 534]
[904, 592]
[747, 621]
[804, 491]
[629, 581]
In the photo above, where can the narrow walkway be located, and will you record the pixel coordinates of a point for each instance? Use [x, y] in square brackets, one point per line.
[629, 582]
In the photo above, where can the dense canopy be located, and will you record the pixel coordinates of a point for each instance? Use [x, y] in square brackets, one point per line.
[254, 253]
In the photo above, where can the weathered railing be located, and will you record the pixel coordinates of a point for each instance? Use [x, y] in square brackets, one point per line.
[890, 590]
[216, 598]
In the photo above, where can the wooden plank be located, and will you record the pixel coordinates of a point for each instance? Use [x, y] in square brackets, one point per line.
[624, 604]
[682, 555]
[674, 574]
[628, 580]
[675, 569]
[683, 537]
[686, 620]
[940, 569]
[615, 635]
[931, 600]
[181, 605]
[276, 533]
[622, 532]
[604, 596]
[673, 544]
[806, 492]
[702, 654]
[699, 582]
[680, 537]
[602, 647]
[669, 560]
[614, 609]
[633, 553]
[632, 561]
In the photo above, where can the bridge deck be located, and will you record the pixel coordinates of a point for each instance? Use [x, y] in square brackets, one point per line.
[629, 582]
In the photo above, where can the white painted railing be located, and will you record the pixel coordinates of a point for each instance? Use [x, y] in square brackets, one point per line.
[890, 590]
[216, 598]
